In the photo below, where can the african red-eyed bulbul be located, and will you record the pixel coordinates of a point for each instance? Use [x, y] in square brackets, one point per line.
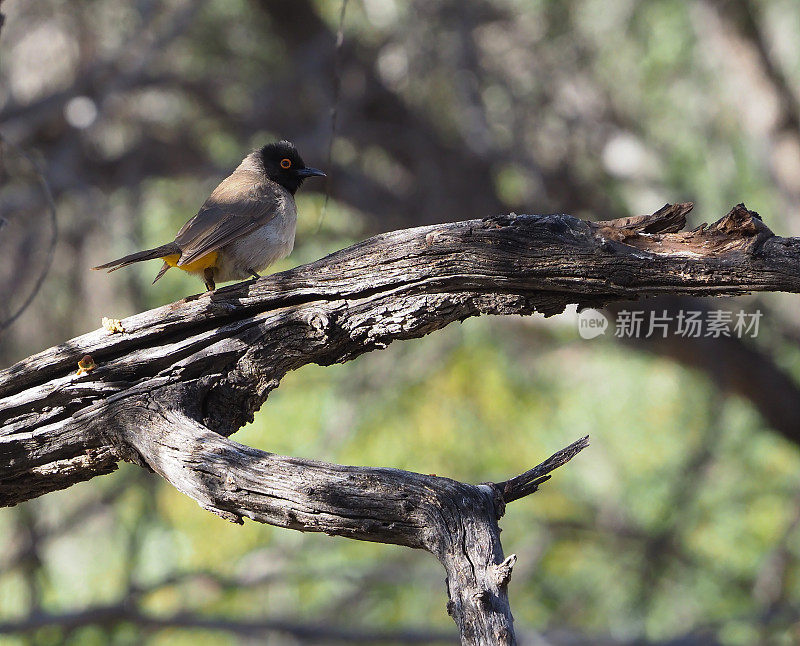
[246, 224]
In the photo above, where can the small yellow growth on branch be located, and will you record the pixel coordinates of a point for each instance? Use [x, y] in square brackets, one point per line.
[113, 325]
[86, 365]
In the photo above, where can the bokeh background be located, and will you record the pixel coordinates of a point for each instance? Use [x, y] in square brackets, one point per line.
[678, 526]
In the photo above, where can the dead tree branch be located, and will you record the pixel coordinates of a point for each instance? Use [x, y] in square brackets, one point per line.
[168, 391]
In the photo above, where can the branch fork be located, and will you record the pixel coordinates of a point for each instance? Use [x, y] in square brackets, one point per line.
[168, 390]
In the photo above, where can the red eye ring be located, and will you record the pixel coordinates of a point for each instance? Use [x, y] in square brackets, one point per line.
[286, 163]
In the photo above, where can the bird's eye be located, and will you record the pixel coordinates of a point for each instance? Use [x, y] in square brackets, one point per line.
[286, 163]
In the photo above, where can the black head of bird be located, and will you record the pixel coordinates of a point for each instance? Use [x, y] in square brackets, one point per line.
[246, 224]
[283, 164]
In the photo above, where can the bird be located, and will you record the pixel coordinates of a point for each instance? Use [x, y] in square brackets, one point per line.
[247, 223]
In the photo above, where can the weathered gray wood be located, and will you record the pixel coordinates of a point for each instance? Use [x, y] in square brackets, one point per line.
[220, 354]
[456, 522]
[168, 391]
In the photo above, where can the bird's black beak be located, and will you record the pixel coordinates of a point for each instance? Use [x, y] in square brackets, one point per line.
[310, 172]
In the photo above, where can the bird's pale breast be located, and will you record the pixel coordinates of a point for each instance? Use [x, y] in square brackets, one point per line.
[261, 248]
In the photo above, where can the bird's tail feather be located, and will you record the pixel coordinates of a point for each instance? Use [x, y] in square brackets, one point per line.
[148, 254]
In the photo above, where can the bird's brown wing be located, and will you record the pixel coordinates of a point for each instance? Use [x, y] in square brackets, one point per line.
[242, 203]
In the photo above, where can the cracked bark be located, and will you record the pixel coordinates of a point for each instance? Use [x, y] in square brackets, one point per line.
[168, 391]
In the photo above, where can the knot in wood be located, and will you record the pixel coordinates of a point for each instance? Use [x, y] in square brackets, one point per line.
[483, 598]
[319, 322]
[230, 482]
[216, 307]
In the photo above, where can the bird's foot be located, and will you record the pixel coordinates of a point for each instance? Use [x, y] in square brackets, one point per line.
[208, 278]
